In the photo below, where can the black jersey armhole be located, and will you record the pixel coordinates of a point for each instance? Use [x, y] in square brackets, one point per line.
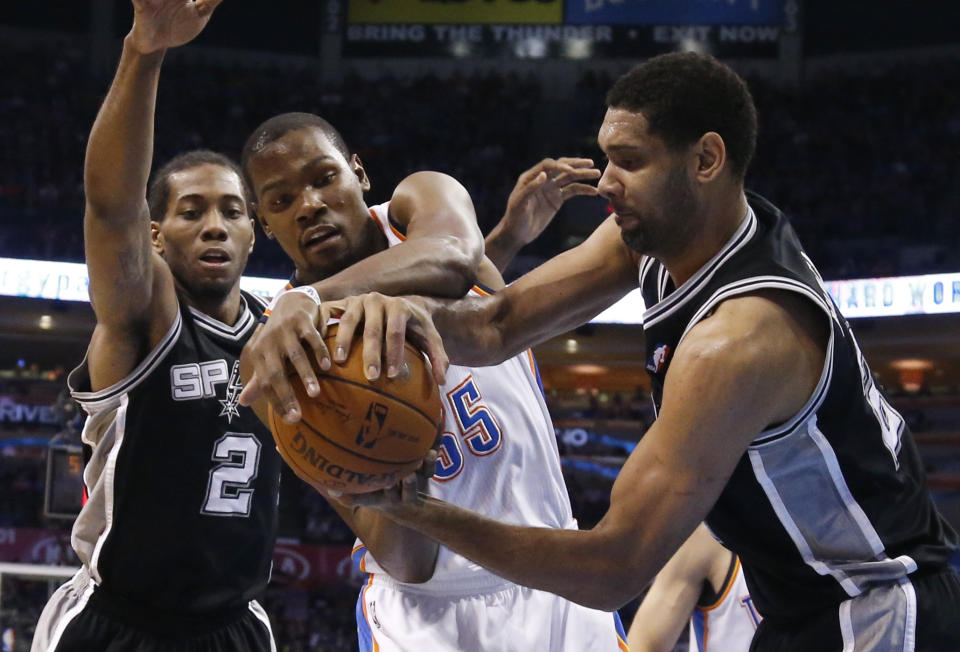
[709, 597]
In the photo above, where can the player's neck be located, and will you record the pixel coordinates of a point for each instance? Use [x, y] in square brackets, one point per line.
[716, 230]
[224, 308]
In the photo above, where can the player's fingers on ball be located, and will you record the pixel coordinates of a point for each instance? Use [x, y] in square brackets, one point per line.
[281, 394]
[349, 320]
[312, 338]
[298, 357]
[373, 325]
[396, 334]
[275, 402]
[328, 311]
[428, 340]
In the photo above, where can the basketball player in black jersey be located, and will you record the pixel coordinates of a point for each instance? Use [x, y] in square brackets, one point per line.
[770, 427]
[177, 534]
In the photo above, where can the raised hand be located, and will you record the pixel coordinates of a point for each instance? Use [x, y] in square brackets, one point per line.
[541, 191]
[162, 24]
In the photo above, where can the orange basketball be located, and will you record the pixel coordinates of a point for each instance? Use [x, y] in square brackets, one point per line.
[356, 435]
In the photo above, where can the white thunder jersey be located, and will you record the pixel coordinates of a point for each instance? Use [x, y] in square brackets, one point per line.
[727, 625]
[498, 457]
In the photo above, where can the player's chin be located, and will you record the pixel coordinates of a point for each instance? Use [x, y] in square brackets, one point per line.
[325, 263]
[214, 284]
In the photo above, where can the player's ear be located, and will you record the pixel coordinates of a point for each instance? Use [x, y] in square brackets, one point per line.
[253, 233]
[357, 165]
[156, 237]
[711, 153]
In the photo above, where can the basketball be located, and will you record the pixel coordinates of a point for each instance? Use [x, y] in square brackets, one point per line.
[358, 436]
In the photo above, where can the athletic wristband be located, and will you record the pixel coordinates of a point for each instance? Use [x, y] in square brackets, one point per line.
[310, 292]
[303, 289]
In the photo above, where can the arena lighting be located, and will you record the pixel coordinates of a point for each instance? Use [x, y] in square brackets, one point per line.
[587, 369]
[912, 364]
[571, 345]
[871, 297]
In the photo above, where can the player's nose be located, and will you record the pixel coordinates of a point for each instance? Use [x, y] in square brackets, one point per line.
[214, 226]
[608, 187]
[311, 204]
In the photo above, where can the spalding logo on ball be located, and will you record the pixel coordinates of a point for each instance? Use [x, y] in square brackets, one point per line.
[356, 435]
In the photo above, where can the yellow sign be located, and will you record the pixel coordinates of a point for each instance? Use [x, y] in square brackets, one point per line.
[456, 12]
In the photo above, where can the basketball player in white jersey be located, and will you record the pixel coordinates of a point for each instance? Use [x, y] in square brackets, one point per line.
[703, 583]
[498, 450]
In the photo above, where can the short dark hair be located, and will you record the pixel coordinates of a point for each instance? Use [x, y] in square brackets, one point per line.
[280, 125]
[158, 192]
[683, 95]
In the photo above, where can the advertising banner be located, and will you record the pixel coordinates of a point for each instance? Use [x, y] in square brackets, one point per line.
[459, 12]
[568, 41]
[673, 12]
[573, 29]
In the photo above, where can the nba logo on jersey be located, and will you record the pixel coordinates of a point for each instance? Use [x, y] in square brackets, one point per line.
[659, 358]
[372, 425]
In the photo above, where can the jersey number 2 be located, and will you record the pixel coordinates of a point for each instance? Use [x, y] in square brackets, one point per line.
[230, 488]
[478, 428]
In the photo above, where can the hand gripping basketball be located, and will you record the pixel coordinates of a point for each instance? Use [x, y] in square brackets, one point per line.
[358, 435]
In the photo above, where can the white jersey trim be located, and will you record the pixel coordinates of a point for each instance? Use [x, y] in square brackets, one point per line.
[645, 268]
[109, 472]
[663, 309]
[218, 328]
[94, 401]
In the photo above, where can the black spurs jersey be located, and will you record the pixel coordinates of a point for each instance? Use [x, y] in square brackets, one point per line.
[835, 500]
[183, 481]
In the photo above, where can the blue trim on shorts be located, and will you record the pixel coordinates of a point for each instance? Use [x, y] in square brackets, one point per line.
[364, 633]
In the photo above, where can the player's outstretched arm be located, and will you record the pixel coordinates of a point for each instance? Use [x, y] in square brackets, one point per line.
[534, 201]
[754, 363]
[561, 294]
[666, 608]
[131, 289]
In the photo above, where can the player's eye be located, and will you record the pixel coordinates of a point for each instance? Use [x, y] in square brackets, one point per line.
[190, 214]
